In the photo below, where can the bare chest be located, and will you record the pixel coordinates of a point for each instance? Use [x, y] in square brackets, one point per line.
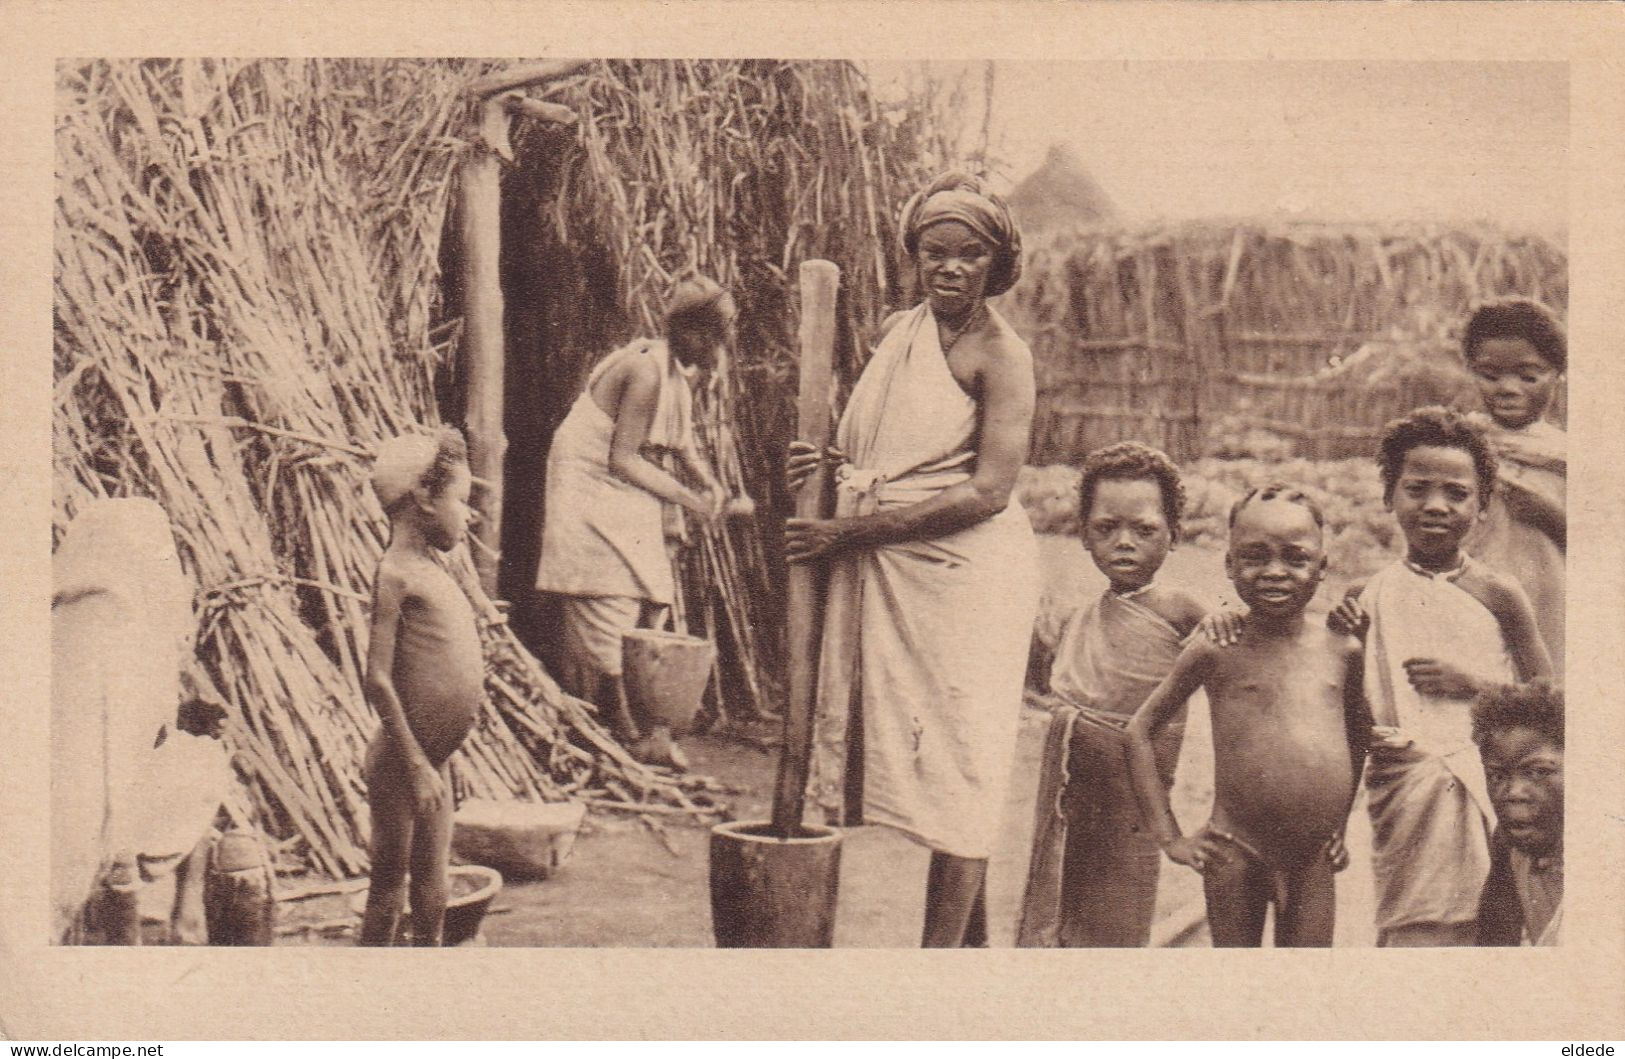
[1262, 690]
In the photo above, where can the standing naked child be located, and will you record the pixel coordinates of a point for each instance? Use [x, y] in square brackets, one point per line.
[425, 677]
[1519, 732]
[1517, 353]
[1289, 722]
[1439, 628]
[1093, 879]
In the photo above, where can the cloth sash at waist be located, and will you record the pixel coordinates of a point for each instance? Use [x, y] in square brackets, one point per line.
[861, 491]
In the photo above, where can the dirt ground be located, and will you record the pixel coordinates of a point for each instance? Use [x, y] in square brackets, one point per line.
[630, 884]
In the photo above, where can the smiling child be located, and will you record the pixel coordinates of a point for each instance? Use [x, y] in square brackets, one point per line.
[1289, 724]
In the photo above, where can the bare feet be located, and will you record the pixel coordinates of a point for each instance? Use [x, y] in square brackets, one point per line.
[658, 748]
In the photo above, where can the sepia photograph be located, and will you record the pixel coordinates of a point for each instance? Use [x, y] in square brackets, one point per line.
[449, 443]
[856, 502]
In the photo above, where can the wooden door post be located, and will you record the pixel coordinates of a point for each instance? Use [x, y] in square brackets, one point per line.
[479, 231]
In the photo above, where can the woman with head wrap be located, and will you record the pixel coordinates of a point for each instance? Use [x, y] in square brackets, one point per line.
[603, 540]
[933, 582]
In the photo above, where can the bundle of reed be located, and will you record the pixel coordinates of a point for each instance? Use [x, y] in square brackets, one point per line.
[246, 257]
[740, 170]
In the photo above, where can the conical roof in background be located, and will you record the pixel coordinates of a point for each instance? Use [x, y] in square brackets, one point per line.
[1060, 194]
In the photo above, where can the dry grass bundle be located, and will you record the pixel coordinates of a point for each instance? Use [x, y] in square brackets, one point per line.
[245, 284]
[1156, 332]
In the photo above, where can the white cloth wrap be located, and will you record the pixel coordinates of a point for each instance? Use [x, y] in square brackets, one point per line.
[931, 636]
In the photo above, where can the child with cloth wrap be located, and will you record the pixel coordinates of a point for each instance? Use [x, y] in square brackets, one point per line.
[1439, 629]
[1093, 876]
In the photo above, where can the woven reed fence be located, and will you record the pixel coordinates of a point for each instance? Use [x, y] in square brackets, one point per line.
[1188, 337]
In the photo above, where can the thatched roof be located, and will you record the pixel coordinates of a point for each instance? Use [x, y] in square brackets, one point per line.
[1060, 194]
[247, 299]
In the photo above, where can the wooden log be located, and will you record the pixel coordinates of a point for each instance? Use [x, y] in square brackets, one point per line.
[528, 74]
[539, 109]
[479, 216]
[814, 414]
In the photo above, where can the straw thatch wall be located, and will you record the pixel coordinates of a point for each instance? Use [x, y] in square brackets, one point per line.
[247, 299]
[1192, 336]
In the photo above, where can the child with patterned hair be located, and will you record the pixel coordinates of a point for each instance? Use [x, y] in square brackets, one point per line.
[425, 677]
[1519, 732]
[1289, 724]
[1517, 353]
[1439, 628]
[1093, 877]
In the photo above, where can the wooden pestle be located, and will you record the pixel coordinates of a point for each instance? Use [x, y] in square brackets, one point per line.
[804, 611]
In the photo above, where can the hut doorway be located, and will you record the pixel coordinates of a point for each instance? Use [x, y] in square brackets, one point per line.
[562, 311]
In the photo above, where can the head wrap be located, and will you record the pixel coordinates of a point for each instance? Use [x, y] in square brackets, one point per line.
[966, 199]
[401, 464]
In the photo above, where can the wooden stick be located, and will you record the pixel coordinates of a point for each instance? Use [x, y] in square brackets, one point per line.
[557, 113]
[264, 428]
[814, 413]
[529, 74]
[321, 889]
[645, 807]
[480, 230]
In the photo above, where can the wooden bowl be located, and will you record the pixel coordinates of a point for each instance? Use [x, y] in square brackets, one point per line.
[470, 889]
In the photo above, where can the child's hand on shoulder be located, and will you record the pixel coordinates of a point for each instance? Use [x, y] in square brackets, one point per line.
[1349, 618]
[1222, 628]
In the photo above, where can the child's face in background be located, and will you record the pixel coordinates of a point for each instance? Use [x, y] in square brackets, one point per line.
[1524, 772]
[1435, 501]
[1515, 382]
[447, 515]
[1127, 533]
[1276, 557]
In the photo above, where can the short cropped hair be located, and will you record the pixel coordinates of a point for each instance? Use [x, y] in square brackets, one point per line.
[451, 452]
[416, 459]
[1522, 318]
[1439, 427]
[1279, 491]
[1130, 461]
[1537, 706]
